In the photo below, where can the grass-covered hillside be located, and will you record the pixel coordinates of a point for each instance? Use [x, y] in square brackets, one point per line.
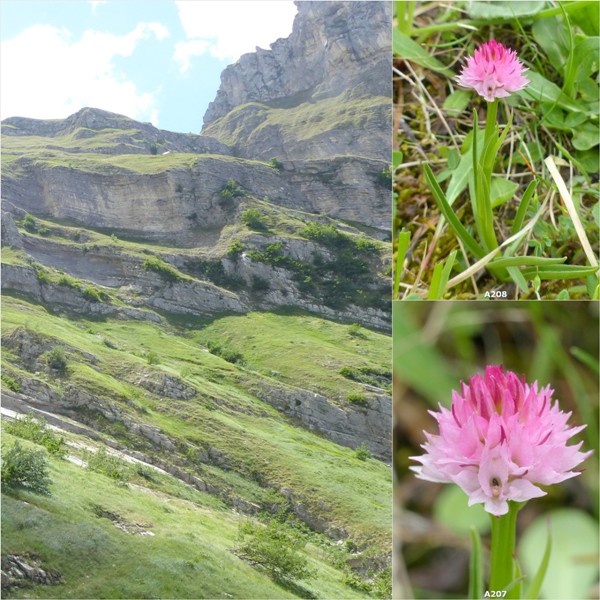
[187, 399]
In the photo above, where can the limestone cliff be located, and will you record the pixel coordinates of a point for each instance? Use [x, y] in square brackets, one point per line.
[323, 91]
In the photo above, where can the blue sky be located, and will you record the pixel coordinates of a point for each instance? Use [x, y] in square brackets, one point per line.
[152, 60]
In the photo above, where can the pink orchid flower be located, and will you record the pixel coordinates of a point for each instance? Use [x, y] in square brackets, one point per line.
[494, 71]
[500, 440]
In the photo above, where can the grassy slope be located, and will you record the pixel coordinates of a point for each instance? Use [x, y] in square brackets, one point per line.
[300, 122]
[258, 442]
[189, 555]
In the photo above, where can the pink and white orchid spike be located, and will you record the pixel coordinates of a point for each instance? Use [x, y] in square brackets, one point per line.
[500, 440]
[493, 71]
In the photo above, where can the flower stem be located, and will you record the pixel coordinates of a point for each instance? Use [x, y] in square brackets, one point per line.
[484, 173]
[504, 530]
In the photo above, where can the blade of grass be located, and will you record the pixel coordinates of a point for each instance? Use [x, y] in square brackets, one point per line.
[570, 69]
[434, 287]
[521, 261]
[407, 49]
[558, 272]
[439, 279]
[447, 211]
[403, 242]
[518, 279]
[570, 205]
[586, 358]
[524, 204]
[536, 584]
[475, 567]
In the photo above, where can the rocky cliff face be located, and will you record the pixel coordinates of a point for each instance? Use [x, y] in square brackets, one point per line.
[325, 56]
[324, 91]
[283, 201]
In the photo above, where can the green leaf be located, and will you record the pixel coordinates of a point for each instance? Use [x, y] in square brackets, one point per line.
[403, 242]
[563, 295]
[586, 57]
[458, 228]
[501, 191]
[456, 102]
[596, 213]
[589, 160]
[397, 158]
[453, 159]
[460, 175]
[542, 90]
[552, 36]
[518, 279]
[587, 17]
[499, 9]
[521, 261]
[586, 136]
[522, 210]
[406, 48]
[559, 272]
[573, 566]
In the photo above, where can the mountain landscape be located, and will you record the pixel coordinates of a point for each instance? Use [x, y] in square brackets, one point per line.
[205, 322]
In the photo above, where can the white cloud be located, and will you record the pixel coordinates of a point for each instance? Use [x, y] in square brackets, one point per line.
[46, 73]
[185, 50]
[95, 4]
[235, 27]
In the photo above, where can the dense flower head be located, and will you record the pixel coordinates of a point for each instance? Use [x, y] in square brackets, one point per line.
[493, 71]
[500, 440]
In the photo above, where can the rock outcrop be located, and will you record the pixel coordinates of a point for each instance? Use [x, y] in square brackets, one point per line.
[325, 56]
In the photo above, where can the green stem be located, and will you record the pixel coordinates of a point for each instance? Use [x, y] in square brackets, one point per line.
[490, 120]
[484, 173]
[504, 531]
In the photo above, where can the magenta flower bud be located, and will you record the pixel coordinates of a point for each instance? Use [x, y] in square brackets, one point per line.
[494, 71]
[500, 440]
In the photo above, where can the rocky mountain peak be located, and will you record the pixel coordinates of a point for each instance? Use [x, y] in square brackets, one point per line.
[325, 55]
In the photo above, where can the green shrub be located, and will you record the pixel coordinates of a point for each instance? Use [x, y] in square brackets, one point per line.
[153, 149]
[235, 249]
[327, 235]
[227, 354]
[276, 548]
[29, 224]
[67, 281]
[276, 164]
[56, 359]
[11, 383]
[23, 468]
[254, 219]
[232, 189]
[162, 268]
[356, 331]
[44, 231]
[356, 582]
[41, 274]
[152, 358]
[36, 430]
[362, 452]
[358, 399]
[91, 295]
[368, 375]
[111, 466]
